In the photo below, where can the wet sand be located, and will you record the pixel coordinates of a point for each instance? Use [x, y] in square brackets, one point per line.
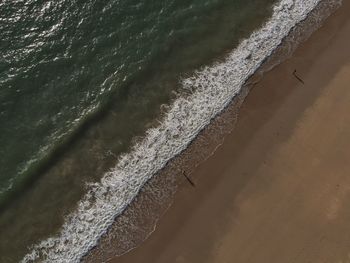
[278, 189]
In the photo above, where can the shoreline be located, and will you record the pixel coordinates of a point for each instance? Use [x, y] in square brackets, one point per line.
[140, 218]
[267, 122]
[88, 213]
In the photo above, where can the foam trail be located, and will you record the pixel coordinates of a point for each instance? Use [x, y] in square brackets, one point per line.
[213, 89]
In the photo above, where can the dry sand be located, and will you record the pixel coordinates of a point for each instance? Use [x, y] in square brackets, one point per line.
[278, 189]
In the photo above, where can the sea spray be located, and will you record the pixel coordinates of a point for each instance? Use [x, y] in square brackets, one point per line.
[213, 88]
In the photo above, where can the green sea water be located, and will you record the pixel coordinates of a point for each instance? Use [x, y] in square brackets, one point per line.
[80, 80]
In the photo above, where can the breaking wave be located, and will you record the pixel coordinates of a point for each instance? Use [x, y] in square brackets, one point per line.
[212, 89]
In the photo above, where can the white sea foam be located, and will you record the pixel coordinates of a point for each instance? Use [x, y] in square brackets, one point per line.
[214, 87]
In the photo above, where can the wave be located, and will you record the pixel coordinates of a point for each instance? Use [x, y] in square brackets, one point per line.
[212, 89]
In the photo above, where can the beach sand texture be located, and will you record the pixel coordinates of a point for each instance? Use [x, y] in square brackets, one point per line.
[278, 189]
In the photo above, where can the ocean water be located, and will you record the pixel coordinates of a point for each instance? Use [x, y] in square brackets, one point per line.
[97, 96]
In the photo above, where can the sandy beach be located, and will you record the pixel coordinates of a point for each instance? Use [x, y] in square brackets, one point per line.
[278, 189]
